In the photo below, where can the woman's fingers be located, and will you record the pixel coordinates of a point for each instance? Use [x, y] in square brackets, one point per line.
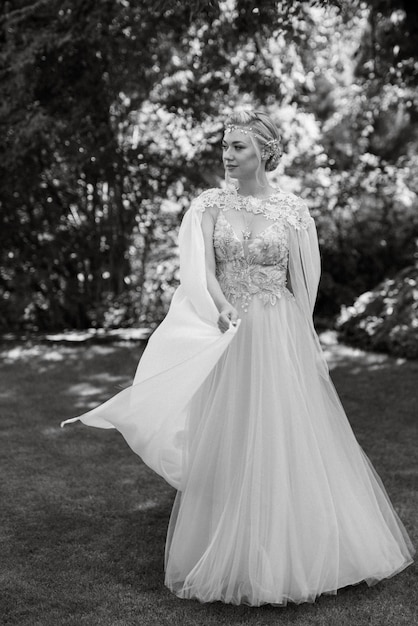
[223, 322]
[226, 318]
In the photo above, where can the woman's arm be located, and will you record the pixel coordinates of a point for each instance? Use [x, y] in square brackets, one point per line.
[227, 313]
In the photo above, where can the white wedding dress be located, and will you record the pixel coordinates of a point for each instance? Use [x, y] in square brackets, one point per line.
[276, 500]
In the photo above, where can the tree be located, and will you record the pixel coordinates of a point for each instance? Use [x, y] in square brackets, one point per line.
[74, 186]
[112, 114]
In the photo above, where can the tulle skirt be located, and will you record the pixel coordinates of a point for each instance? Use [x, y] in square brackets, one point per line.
[278, 502]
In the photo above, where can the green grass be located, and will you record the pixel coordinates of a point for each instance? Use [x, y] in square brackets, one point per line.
[83, 520]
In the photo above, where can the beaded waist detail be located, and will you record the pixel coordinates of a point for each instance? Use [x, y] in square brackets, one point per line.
[241, 280]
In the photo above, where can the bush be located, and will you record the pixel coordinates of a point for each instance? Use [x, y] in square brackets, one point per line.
[386, 318]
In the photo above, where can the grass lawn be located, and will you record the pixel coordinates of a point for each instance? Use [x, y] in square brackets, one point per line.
[83, 520]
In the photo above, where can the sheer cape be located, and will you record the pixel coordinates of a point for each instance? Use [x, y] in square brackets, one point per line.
[151, 414]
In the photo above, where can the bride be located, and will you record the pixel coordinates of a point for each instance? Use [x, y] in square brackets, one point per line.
[233, 405]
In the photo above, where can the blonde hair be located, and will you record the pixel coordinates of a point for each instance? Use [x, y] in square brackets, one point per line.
[263, 133]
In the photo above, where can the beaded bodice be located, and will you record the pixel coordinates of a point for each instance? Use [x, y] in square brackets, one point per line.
[254, 267]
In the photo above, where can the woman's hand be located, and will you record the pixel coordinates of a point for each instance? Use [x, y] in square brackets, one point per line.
[227, 316]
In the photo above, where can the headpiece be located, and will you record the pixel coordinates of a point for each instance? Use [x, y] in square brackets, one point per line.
[247, 130]
[271, 151]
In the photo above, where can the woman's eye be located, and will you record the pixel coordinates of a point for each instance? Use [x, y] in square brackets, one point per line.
[225, 147]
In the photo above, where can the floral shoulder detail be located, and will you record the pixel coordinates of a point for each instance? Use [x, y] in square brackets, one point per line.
[279, 206]
[211, 198]
[297, 212]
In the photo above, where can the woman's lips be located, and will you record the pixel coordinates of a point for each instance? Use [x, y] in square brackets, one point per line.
[230, 167]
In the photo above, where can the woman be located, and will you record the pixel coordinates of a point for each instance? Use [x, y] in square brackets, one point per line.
[232, 403]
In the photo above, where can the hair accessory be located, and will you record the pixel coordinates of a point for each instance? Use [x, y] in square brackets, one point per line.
[244, 129]
[271, 152]
[270, 148]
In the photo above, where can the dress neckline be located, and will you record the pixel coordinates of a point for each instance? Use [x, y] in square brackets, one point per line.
[250, 198]
[241, 241]
[253, 204]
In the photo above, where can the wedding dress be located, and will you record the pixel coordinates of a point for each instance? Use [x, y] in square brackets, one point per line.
[276, 501]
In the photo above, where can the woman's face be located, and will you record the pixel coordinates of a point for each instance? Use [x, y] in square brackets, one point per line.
[239, 156]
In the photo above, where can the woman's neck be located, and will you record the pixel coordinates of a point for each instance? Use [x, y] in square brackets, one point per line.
[254, 188]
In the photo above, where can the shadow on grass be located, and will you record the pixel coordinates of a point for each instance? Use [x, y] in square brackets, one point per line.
[74, 378]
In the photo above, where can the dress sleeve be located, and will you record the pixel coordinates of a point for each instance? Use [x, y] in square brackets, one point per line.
[304, 259]
[192, 319]
[192, 261]
[305, 272]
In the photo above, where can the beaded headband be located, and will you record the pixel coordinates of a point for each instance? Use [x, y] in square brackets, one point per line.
[229, 128]
[271, 150]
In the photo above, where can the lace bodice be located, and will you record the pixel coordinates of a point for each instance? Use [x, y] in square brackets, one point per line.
[257, 267]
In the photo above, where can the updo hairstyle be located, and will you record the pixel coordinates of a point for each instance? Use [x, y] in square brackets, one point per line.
[263, 133]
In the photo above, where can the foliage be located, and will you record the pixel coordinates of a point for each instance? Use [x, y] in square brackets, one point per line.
[386, 318]
[112, 115]
[71, 196]
[91, 148]
[363, 182]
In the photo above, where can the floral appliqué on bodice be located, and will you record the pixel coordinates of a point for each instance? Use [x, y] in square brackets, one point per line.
[257, 267]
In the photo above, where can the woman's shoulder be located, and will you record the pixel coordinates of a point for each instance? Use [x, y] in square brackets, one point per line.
[211, 199]
[294, 209]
